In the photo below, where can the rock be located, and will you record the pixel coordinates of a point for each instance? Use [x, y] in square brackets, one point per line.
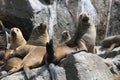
[86, 66]
[80, 66]
[41, 74]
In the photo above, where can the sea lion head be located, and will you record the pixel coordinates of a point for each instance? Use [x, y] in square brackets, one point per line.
[66, 36]
[14, 32]
[85, 21]
[40, 29]
[84, 16]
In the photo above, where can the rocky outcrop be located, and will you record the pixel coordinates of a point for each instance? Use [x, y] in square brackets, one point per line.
[80, 66]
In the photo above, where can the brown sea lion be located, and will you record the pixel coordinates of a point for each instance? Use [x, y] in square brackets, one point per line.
[32, 55]
[39, 35]
[111, 43]
[16, 38]
[85, 36]
[33, 59]
[61, 51]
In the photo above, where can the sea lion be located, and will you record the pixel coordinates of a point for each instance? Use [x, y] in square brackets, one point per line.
[61, 51]
[31, 53]
[39, 36]
[33, 59]
[85, 36]
[65, 37]
[16, 38]
[110, 43]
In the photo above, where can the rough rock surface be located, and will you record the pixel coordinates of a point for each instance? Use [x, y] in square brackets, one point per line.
[41, 74]
[86, 66]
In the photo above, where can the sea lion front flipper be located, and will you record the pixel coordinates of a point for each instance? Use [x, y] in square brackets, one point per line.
[109, 49]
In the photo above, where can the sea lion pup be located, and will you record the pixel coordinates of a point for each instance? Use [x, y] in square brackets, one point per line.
[32, 60]
[85, 36]
[16, 38]
[39, 36]
[110, 43]
[65, 37]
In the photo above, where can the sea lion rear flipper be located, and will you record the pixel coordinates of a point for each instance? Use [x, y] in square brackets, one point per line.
[50, 60]
[28, 73]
